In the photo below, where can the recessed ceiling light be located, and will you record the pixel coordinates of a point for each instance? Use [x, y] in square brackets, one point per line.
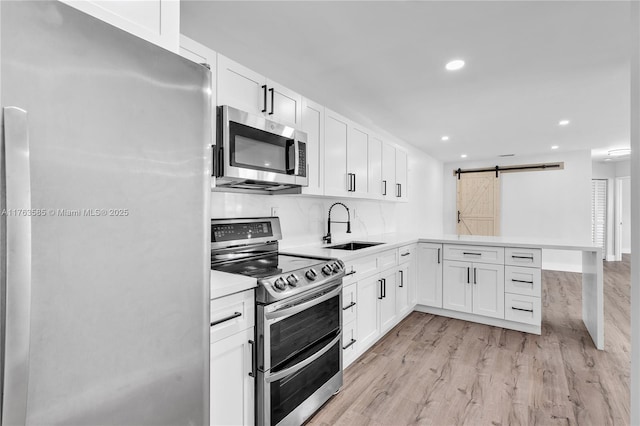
[444, 138]
[463, 156]
[607, 159]
[454, 65]
[619, 152]
[555, 147]
[563, 122]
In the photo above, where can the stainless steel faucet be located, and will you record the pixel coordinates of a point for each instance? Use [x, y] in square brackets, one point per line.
[327, 238]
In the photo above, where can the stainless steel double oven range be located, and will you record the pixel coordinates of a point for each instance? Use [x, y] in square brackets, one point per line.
[299, 318]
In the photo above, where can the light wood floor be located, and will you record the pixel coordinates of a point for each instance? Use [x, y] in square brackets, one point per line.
[441, 371]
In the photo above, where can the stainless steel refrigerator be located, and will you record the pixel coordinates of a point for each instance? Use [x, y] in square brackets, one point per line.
[105, 226]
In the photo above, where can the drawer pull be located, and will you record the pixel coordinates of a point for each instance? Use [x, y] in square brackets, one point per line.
[406, 254]
[521, 281]
[522, 257]
[351, 305]
[229, 318]
[349, 273]
[520, 309]
[349, 344]
[252, 373]
[471, 254]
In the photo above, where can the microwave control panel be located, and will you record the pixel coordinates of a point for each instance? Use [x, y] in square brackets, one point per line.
[302, 159]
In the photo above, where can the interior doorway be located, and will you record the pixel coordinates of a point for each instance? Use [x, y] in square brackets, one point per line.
[478, 202]
[623, 217]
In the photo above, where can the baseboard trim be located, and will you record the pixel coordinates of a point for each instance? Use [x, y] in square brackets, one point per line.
[496, 322]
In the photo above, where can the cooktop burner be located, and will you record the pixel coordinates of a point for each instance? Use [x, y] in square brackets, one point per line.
[269, 266]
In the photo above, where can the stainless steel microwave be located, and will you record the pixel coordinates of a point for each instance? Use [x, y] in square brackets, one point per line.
[253, 153]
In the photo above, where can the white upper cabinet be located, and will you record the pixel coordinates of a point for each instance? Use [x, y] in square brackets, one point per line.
[374, 166]
[388, 171]
[247, 90]
[157, 21]
[401, 175]
[313, 126]
[357, 157]
[240, 87]
[336, 130]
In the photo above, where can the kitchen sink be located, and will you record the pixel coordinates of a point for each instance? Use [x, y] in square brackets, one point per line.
[353, 245]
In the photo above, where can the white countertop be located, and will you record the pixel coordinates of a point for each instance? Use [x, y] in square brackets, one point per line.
[391, 241]
[223, 283]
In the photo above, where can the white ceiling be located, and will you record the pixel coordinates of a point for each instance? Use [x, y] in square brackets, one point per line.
[529, 65]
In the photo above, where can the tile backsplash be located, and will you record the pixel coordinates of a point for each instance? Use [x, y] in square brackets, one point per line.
[304, 218]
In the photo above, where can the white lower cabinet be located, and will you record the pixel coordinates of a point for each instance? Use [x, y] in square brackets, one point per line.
[368, 296]
[403, 289]
[430, 274]
[232, 389]
[387, 300]
[474, 288]
[231, 354]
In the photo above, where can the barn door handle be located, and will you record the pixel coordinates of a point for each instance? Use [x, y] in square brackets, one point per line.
[458, 216]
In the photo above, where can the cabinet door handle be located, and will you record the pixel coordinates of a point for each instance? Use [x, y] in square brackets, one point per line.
[252, 373]
[468, 272]
[401, 278]
[405, 254]
[350, 273]
[520, 309]
[522, 257]
[272, 106]
[438, 256]
[225, 319]
[397, 190]
[264, 95]
[349, 344]
[384, 191]
[475, 278]
[354, 182]
[521, 281]
[400, 189]
[384, 286]
[351, 305]
[381, 294]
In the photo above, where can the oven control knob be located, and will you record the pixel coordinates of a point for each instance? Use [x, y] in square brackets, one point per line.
[327, 269]
[337, 267]
[311, 274]
[280, 284]
[292, 280]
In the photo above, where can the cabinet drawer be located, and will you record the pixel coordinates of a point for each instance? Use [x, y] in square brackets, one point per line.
[359, 268]
[231, 314]
[349, 299]
[523, 257]
[349, 343]
[519, 308]
[484, 254]
[387, 259]
[406, 254]
[521, 280]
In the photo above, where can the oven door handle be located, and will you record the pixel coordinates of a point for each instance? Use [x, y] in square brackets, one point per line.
[299, 366]
[304, 305]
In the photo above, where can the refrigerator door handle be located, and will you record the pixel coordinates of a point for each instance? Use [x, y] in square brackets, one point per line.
[17, 266]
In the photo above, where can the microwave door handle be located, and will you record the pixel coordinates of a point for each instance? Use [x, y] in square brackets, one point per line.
[291, 148]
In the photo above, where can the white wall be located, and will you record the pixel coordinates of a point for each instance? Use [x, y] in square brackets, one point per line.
[554, 204]
[304, 218]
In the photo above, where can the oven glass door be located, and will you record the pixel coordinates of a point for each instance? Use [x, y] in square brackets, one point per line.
[259, 150]
[289, 392]
[297, 334]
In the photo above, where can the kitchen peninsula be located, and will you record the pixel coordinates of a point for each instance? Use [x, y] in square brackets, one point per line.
[592, 272]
